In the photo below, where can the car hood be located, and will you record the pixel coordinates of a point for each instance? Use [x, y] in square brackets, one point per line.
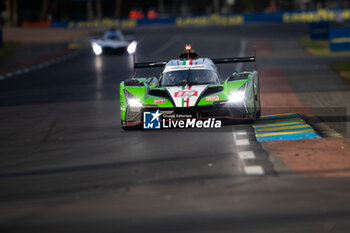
[112, 43]
[186, 96]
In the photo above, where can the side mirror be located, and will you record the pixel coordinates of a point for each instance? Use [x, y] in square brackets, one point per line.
[133, 82]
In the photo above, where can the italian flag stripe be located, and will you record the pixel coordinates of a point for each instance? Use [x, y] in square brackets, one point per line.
[185, 101]
[182, 88]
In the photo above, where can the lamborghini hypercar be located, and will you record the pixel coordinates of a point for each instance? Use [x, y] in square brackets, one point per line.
[192, 86]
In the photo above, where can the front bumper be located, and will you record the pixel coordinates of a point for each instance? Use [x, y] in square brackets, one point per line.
[134, 116]
[111, 50]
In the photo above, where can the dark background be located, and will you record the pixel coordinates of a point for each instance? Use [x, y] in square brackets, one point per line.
[14, 12]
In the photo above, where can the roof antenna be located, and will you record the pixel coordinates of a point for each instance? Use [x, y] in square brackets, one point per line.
[255, 58]
[188, 48]
[131, 49]
[133, 65]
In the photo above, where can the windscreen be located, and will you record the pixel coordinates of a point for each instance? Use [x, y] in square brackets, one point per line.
[189, 77]
[113, 36]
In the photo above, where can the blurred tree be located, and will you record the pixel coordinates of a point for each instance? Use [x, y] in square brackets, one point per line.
[201, 7]
[8, 12]
[44, 6]
[11, 12]
[89, 9]
[161, 8]
[99, 9]
[216, 6]
[117, 8]
[15, 13]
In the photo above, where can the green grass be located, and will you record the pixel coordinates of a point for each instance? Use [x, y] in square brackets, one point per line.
[320, 47]
[343, 68]
[7, 49]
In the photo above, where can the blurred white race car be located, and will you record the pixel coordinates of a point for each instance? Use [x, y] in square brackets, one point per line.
[113, 42]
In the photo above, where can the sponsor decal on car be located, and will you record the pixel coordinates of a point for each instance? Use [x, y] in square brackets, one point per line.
[184, 94]
[159, 101]
[212, 98]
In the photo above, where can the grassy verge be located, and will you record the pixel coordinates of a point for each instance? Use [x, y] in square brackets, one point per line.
[343, 68]
[7, 49]
[320, 47]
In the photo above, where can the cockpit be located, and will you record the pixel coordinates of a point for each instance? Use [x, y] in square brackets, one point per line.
[189, 77]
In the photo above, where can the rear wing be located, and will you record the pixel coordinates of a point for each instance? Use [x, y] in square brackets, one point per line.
[150, 64]
[233, 60]
[215, 60]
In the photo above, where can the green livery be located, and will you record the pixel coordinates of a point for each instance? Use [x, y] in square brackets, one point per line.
[191, 85]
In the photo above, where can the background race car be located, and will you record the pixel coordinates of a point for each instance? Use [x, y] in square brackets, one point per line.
[191, 85]
[113, 42]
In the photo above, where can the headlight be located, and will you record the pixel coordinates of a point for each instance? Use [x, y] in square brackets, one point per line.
[96, 48]
[132, 47]
[134, 102]
[131, 100]
[236, 97]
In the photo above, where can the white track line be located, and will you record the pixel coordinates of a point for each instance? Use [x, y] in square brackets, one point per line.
[242, 132]
[246, 155]
[253, 170]
[39, 66]
[242, 142]
[9, 74]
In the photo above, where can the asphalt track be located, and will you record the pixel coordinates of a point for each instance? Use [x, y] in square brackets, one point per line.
[67, 166]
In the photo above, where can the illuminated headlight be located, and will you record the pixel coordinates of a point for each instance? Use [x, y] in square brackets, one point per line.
[134, 103]
[236, 97]
[96, 48]
[132, 47]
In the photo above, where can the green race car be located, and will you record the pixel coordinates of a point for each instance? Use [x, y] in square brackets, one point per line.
[191, 87]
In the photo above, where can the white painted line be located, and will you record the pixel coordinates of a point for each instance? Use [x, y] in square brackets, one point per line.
[242, 132]
[18, 72]
[9, 74]
[25, 70]
[242, 142]
[254, 170]
[2, 77]
[246, 155]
